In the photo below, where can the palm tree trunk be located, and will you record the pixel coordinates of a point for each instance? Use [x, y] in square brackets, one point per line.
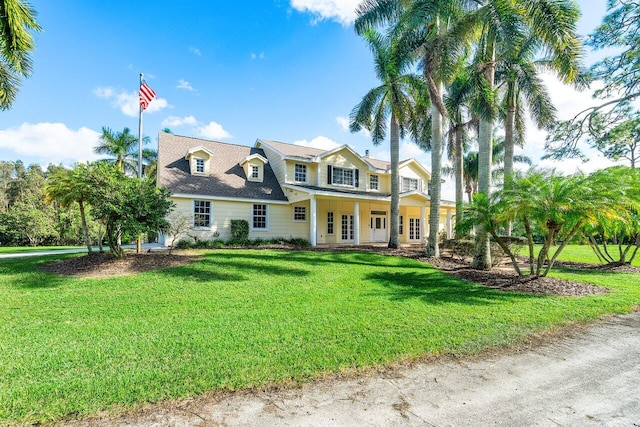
[433, 249]
[458, 165]
[482, 256]
[509, 140]
[85, 228]
[395, 183]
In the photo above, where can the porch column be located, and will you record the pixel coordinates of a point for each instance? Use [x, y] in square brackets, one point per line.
[449, 224]
[313, 221]
[423, 224]
[356, 223]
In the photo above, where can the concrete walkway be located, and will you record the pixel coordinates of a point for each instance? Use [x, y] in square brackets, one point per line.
[145, 247]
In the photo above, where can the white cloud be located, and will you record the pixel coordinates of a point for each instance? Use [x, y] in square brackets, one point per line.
[343, 122]
[257, 55]
[50, 143]
[173, 121]
[195, 51]
[128, 102]
[213, 130]
[320, 142]
[342, 11]
[183, 84]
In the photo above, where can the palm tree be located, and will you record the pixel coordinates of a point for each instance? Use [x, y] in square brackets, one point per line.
[470, 167]
[68, 187]
[17, 21]
[423, 29]
[120, 145]
[150, 163]
[395, 97]
[456, 100]
[504, 25]
[518, 72]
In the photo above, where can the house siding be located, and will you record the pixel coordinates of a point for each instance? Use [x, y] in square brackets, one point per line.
[280, 219]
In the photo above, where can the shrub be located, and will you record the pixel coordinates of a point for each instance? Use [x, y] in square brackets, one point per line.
[239, 230]
[183, 244]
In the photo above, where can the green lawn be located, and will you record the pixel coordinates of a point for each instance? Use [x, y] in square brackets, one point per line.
[582, 253]
[72, 347]
[21, 249]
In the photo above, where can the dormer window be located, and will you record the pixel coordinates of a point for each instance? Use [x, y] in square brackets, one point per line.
[254, 166]
[373, 182]
[343, 176]
[300, 173]
[200, 165]
[199, 159]
[409, 184]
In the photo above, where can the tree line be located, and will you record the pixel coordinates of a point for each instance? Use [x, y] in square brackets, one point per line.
[452, 71]
[88, 204]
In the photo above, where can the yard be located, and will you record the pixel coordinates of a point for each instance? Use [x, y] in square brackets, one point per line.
[240, 318]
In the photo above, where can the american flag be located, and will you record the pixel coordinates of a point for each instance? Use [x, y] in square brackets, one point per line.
[146, 94]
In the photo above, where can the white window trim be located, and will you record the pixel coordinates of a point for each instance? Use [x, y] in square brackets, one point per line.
[266, 221]
[377, 177]
[204, 166]
[306, 173]
[193, 215]
[402, 178]
[333, 223]
[353, 177]
[305, 214]
[255, 169]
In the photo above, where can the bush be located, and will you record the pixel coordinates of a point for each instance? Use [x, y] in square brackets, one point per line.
[183, 244]
[239, 230]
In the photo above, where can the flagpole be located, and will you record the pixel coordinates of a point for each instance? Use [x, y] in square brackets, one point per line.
[140, 133]
[139, 241]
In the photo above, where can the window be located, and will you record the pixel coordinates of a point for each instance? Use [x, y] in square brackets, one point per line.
[199, 165]
[329, 222]
[259, 217]
[342, 176]
[401, 227]
[300, 173]
[255, 172]
[373, 182]
[201, 213]
[409, 184]
[299, 213]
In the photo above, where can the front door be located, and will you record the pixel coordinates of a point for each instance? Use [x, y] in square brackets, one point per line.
[378, 227]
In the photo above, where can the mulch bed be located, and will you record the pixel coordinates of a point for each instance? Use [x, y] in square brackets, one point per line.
[99, 265]
[503, 278]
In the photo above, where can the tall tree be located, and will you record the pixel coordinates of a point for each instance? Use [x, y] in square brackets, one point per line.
[72, 186]
[17, 23]
[424, 30]
[504, 24]
[393, 100]
[121, 146]
[523, 89]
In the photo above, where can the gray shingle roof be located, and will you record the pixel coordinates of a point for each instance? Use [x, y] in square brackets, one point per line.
[308, 153]
[227, 178]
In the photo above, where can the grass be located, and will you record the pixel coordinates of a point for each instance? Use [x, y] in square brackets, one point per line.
[72, 347]
[582, 253]
[22, 249]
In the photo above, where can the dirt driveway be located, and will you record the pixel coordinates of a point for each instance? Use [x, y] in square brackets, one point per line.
[590, 379]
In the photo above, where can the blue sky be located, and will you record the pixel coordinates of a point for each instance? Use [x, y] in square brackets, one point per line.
[287, 70]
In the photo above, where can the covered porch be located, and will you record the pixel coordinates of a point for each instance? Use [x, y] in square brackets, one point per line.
[350, 218]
